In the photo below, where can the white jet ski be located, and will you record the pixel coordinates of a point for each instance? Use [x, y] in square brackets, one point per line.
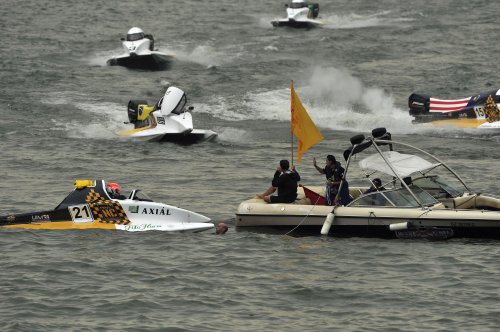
[300, 14]
[168, 120]
[140, 52]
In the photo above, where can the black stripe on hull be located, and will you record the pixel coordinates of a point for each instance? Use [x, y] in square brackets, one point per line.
[151, 62]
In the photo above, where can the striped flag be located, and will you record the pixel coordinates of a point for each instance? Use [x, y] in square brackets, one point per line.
[443, 105]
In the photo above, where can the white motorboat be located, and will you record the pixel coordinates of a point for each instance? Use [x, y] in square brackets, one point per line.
[168, 120]
[300, 14]
[90, 205]
[140, 52]
[416, 199]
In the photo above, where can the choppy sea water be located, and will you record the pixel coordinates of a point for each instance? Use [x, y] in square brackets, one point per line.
[61, 106]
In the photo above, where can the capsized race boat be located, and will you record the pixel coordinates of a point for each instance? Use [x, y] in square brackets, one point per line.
[420, 197]
[140, 52]
[167, 120]
[91, 205]
[300, 14]
[479, 111]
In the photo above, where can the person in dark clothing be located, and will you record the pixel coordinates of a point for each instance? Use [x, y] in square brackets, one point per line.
[377, 186]
[334, 172]
[285, 181]
[114, 191]
[221, 228]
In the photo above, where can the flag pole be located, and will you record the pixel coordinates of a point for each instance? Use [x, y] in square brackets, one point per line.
[291, 120]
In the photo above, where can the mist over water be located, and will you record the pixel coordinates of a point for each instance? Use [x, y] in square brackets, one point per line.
[62, 108]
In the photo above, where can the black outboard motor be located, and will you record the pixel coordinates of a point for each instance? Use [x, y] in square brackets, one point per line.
[133, 109]
[419, 104]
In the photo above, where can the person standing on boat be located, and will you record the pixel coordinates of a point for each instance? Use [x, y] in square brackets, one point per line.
[285, 180]
[334, 173]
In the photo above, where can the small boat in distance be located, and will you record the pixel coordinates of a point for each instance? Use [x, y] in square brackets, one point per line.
[140, 52]
[479, 111]
[168, 120]
[420, 197]
[300, 14]
[92, 205]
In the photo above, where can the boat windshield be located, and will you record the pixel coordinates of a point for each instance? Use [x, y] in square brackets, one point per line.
[296, 5]
[438, 187]
[180, 106]
[400, 197]
[135, 36]
[141, 196]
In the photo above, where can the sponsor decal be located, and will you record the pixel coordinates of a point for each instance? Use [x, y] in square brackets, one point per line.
[160, 119]
[416, 103]
[11, 218]
[40, 218]
[133, 209]
[142, 227]
[159, 212]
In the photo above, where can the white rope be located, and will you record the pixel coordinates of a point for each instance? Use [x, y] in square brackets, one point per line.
[307, 215]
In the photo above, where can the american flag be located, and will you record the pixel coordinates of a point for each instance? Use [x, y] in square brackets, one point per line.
[443, 105]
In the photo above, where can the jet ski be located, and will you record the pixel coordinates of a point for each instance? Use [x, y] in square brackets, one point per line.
[140, 52]
[92, 205]
[300, 14]
[167, 120]
[479, 111]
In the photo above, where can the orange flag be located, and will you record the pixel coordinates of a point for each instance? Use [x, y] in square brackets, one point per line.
[302, 126]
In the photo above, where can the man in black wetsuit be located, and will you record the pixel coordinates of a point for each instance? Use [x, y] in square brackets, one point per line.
[285, 180]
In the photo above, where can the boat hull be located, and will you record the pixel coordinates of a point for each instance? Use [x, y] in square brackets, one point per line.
[153, 135]
[305, 24]
[366, 221]
[90, 207]
[152, 61]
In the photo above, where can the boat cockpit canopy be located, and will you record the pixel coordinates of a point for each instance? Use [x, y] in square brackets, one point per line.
[135, 36]
[180, 107]
[403, 164]
[297, 4]
[139, 195]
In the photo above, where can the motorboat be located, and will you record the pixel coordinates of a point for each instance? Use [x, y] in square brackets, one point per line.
[140, 53]
[168, 120]
[421, 197]
[300, 14]
[479, 111]
[91, 205]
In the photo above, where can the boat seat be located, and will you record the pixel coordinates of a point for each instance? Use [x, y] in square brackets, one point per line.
[355, 192]
[477, 202]
[465, 202]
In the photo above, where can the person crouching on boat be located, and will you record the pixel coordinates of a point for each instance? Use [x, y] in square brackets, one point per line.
[334, 173]
[285, 180]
